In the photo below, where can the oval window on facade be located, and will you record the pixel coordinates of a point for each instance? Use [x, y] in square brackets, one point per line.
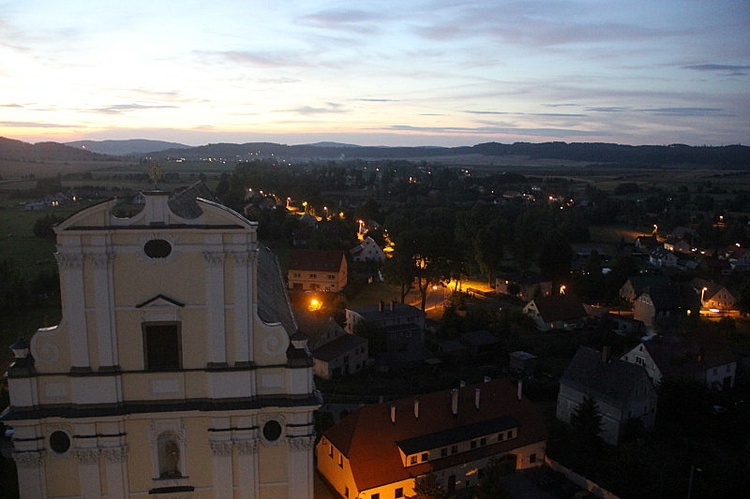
[272, 430]
[59, 442]
[157, 248]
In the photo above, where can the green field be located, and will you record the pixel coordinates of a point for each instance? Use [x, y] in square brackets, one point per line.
[18, 243]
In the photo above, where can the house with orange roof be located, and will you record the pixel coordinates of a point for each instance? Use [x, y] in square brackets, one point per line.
[317, 270]
[379, 450]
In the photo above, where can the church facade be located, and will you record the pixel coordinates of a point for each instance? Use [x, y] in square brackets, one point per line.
[176, 370]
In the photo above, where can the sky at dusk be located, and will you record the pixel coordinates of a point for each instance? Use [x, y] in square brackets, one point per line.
[421, 72]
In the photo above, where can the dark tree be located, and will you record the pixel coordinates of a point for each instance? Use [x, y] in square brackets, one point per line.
[555, 257]
[490, 484]
[426, 487]
[374, 334]
[743, 301]
[488, 250]
[586, 422]
[43, 226]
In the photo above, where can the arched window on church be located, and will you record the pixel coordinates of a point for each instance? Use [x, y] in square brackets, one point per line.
[169, 455]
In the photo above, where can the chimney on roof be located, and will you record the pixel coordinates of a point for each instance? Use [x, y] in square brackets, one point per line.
[476, 398]
[381, 305]
[605, 354]
[416, 408]
[519, 391]
[393, 413]
[454, 401]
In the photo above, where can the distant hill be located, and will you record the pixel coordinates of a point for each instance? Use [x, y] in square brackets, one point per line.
[332, 144]
[733, 156]
[125, 147]
[16, 150]
[301, 152]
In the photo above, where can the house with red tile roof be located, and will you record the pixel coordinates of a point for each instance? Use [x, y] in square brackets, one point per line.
[317, 270]
[378, 451]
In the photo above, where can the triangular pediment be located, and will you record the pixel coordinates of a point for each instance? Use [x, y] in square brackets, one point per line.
[160, 302]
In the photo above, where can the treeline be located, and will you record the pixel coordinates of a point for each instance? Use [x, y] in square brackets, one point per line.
[20, 293]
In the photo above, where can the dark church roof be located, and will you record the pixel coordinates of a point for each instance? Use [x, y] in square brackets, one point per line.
[183, 203]
[273, 300]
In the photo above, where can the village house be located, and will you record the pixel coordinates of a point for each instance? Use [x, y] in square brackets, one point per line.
[556, 312]
[367, 251]
[677, 245]
[622, 391]
[335, 352]
[665, 305]
[522, 362]
[646, 244]
[379, 450]
[636, 285]
[713, 296]
[479, 342]
[524, 286]
[663, 258]
[317, 270]
[403, 324]
[705, 357]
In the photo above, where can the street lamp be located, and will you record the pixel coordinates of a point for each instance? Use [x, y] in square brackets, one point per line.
[703, 293]
[693, 469]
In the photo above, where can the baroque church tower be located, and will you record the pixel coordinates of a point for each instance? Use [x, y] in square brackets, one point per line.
[175, 371]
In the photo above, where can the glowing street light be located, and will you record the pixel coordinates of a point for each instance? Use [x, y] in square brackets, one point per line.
[315, 305]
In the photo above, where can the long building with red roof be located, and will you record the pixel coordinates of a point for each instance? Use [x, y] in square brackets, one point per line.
[377, 451]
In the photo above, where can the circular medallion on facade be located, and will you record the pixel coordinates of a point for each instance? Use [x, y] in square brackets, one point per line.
[157, 248]
[272, 430]
[59, 442]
